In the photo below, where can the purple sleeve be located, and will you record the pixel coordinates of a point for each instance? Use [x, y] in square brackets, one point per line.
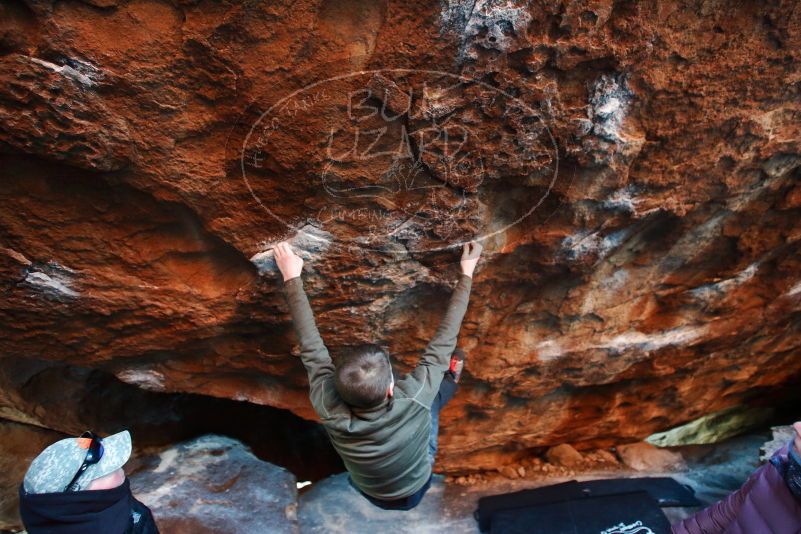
[716, 518]
[763, 504]
[793, 473]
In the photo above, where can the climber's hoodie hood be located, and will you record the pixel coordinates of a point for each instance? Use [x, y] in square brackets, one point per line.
[77, 512]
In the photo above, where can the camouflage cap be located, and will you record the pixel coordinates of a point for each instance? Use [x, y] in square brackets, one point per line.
[52, 470]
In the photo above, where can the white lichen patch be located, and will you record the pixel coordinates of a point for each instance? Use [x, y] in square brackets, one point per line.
[586, 243]
[70, 72]
[707, 291]
[610, 99]
[617, 281]
[144, 378]
[491, 24]
[795, 290]
[166, 461]
[622, 200]
[633, 340]
[53, 280]
[548, 351]
[609, 108]
[653, 341]
[309, 243]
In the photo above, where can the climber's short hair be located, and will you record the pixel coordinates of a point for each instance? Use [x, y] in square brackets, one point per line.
[363, 375]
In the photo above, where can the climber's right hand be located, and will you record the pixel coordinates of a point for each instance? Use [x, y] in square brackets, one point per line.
[797, 440]
[470, 253]
[289, 263]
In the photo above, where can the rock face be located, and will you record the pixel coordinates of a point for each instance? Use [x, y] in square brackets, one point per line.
[631, 167]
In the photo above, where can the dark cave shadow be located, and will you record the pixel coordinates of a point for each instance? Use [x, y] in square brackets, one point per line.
[71, 399]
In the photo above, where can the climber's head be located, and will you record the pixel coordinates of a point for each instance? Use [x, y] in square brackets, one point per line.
[364, 377]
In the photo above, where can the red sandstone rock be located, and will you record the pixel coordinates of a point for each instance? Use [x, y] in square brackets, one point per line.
[657, 280]
[509, 471]
[565, 455]
[604, 456]
[643, 456]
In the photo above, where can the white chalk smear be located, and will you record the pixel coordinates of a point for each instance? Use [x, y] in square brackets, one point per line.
[144, 378]
[51, 283]
[66, 70]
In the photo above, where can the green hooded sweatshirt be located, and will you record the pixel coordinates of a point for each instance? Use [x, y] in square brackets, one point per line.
[385, 449]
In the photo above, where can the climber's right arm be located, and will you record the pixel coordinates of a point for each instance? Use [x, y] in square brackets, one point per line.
[313, 351]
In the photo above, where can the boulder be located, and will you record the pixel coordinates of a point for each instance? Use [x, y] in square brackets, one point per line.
[564, 455]
[643, 456]
[333, 506]
[215, 484]
[604, 456]
[714, 427]
[631, 168]
[509, 471]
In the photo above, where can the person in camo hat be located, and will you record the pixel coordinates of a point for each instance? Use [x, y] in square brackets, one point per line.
[77, 486]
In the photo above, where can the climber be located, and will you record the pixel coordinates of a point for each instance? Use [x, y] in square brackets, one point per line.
[769, 501]
[77, 486]
[385, 432]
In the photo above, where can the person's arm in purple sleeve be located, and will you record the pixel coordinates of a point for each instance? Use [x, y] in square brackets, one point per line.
[716, 518]
[763, 499]
[793, 473]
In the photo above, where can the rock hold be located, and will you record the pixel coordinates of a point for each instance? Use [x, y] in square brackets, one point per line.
[309, 243]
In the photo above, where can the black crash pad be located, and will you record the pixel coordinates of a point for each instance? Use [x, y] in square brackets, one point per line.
[626, 513]
[663, 491]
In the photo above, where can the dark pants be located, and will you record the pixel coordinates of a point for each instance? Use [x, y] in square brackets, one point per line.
[446, 390]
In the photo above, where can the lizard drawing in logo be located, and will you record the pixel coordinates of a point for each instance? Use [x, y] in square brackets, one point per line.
[403, 167]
